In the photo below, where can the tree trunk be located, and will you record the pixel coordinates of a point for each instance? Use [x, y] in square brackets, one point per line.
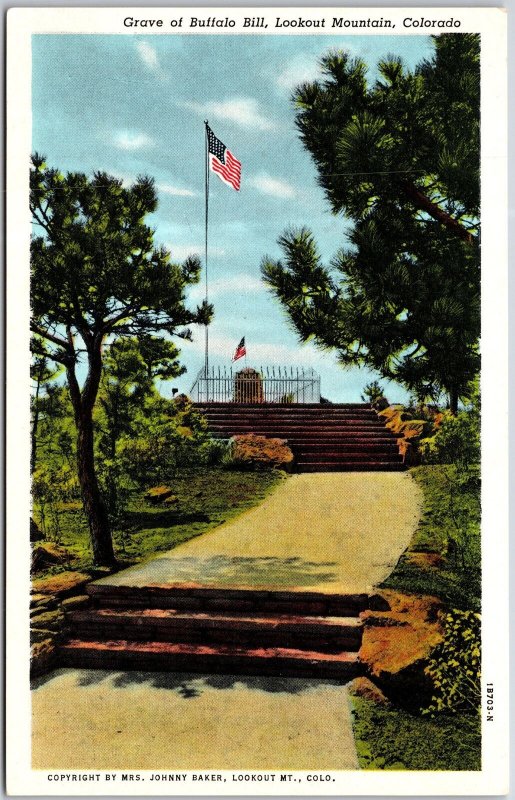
[453, 401]
[94, 506]
[83, 404]
[34, 434]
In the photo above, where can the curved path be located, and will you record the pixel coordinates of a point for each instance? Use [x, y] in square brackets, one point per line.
[326, 531]
[331, 532]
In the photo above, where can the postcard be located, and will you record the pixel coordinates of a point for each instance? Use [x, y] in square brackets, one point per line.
[257, 512]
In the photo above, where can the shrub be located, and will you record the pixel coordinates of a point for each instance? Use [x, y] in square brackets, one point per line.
[372, 392]
[171, 436]
[457, 438]
[455, 442]
[455, 665]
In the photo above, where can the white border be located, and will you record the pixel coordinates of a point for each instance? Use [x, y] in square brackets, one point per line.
[491, 23]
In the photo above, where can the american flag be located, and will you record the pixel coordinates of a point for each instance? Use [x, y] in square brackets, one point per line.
[240, 350]
[222, 161]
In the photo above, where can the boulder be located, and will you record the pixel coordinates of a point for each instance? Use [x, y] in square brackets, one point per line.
[48, 554]
[49, 620]
[42, 657]
[363, 687]
[64, 584]
[72, 603]
[397, 645]
[391, 411]
[41, 634]
[415, 428]
[254, 452]
[158, 493]
[42, 602]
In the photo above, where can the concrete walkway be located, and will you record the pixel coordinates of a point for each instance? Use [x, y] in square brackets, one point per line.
[89, 719]
[328, 532]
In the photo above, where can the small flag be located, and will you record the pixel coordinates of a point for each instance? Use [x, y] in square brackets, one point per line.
[240, 350]
[222, 161]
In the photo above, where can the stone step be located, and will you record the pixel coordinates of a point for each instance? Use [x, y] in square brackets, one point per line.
[294, 427]
[342, 439]
[329, 454]
[324, 634]
[169, 657]
[319, 407]
[337, 437]
[343, 417]
[252, 426]
[350, 466]
[366, 446]
[198, 598]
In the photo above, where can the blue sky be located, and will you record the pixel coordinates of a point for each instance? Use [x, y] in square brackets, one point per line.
[134, 105]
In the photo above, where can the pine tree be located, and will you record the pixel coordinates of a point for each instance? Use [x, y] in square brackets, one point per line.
[400, 159]
[96, 276]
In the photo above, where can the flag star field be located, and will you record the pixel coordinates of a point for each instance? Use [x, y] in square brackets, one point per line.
[136, 105]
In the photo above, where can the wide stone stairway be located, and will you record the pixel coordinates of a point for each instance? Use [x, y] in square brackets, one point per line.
[343, 437]
[215, 630]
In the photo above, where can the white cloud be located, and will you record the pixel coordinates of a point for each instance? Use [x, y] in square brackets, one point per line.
[244, 111]
[131, 140]
[272, 186]
[176, 191]
[302, 68]
[182, 251]
[258, 354]
[148, 55]
[242, 283]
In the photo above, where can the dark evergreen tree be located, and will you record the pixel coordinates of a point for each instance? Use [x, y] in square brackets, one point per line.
[400, 159]
[96, 276]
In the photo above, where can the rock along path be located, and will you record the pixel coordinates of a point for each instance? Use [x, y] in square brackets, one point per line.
[328, 532]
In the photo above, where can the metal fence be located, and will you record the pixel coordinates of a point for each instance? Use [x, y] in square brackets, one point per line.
[263, 385]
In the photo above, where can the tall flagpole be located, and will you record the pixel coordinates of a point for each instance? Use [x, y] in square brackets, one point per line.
[206, 356]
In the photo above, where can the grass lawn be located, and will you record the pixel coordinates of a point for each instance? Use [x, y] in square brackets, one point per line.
[206, 498]
[447, 514]
[391, 738]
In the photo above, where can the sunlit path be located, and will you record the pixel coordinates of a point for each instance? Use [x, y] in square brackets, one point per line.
[326, 532]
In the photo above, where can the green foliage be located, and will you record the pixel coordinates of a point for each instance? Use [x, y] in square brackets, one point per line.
[127, 389]
[52, 485]
[207, 497]
[449, 528]
[457, 440]
[455, 665]
[97, 276]
[168, 436]
[372, 392]
[390, 738]
[403, 297]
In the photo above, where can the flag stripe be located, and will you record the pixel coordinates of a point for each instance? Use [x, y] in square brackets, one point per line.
[229, 167]
[229, 176]
[230, 170]
[222, 161]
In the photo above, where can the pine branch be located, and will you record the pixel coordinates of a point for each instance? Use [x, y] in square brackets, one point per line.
[423, 202]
